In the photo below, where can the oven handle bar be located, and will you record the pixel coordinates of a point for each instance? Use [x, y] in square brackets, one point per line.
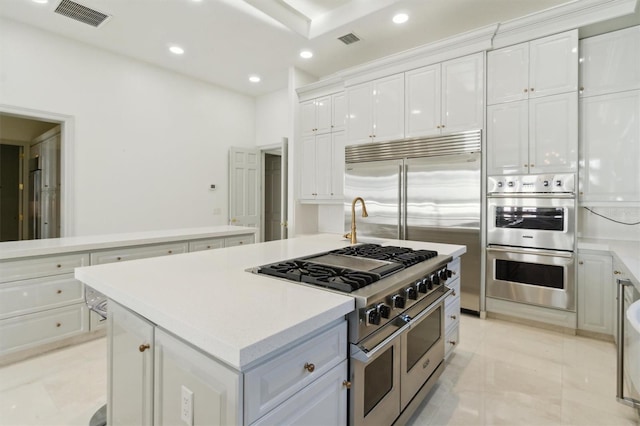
[362, 356]
[540, 252]
[631, 402]
[567, 195]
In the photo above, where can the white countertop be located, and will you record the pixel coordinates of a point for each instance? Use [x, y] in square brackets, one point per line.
[15, 249]
[627, 252]
[209, 299]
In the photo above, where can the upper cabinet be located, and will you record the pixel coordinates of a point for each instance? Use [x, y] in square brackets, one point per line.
[375, 110]
[445, 97]
[541, 67]
[323, 115]
[610, 62]
[322, 175]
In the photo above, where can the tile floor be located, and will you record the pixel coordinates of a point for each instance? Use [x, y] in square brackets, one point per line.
[501, 374]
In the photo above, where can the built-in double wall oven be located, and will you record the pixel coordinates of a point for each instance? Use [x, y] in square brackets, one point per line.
[531, 239]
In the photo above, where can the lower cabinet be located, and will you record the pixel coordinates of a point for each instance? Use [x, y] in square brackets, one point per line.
[452, 310]
[596, 292]
[156, 378]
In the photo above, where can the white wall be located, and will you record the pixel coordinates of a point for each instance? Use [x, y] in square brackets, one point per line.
[591, 225]
[272, 118]
[147, 142]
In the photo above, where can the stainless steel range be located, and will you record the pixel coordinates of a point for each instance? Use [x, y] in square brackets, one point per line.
[396, 333]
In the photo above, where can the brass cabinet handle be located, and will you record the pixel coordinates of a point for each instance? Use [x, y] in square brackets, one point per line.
[452, 342]
[582, 88]
[526, 90]
[454, 293]
[170, 251]
[241, 242]
[118, 258]
[58, 324]
[581, 263]
[532, 89]
[309, 367]
[452, 317]
[59, 291]
[617, 272]
[58, 266]
[531, 165]
[144, 347]
[346, 384]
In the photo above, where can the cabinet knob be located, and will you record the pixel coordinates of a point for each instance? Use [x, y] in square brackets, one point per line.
[582, 88]
[208, 247]
[452, 317]
[581, 193]
[580, 262]
[59, 291]
[58, 266]
[241, 242]
[532, 89]
[452, 342]
[617, 272]
[309, 367]
[531, 165]
[118, 258]
[170, 251]
[443, 126]
[58, 324]
[454, 293]
[144, 347]
[346, 384]
[526, 165]
[525, 90]
[438, 126]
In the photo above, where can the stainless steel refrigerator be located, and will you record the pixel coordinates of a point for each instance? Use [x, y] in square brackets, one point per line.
[421, 190]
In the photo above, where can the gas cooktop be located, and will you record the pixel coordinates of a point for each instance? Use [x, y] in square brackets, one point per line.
[350, 268]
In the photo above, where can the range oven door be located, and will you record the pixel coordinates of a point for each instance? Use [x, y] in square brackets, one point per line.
[540, 221]
[538, 277]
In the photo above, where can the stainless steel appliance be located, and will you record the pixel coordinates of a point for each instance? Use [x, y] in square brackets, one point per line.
[396, 333]
[422, 190]
[531, 239]
[628, 347]
[44, 205]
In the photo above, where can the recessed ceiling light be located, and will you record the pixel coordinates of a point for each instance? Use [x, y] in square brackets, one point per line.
[401, 18]
[254, 78]
[306, 54]
[41, 1]
[177, 50]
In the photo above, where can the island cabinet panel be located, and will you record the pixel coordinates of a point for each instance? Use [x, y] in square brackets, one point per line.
[275, 381]
[130, 368]
[179, 368]
[596, 290]
[452, 310]
[138, 252]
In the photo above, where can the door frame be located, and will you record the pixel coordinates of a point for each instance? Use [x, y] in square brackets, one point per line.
[67, 159]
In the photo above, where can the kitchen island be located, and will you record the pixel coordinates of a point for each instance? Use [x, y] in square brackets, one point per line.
[208, 326]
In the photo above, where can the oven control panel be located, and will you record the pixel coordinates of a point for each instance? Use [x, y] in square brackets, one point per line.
[524, 184]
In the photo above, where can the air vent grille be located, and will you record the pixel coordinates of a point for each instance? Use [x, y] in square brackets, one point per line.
[349, 38]
[81, 13]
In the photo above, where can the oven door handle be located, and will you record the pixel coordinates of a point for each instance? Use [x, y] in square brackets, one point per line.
[567, 195]
[540, 252]
[361, 355]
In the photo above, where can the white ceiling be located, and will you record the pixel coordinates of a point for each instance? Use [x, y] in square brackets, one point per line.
[227, 40]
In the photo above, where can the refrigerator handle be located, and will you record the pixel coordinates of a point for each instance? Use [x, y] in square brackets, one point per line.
[400, 199]
[405, 172]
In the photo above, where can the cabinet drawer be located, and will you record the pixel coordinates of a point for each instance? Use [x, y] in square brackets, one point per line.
[214, 243]
[455, 286]
[454, 267]
[239, 240]
[324, 402]
[26, 331]
[451, 341]
[273, 382]
[452, 312]
[140, 252]
[44, 266]
[25, 297]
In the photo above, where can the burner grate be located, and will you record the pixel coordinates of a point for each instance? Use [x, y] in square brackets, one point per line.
[404, 255]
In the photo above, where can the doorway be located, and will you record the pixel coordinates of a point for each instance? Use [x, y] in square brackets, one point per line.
[272, 196]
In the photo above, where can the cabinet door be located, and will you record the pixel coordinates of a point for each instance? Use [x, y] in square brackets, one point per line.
[338, 112]
[507, 138]
[215, 389]
[422, 102]
[553, 64]
[130, 368]
[323, 159]
[610, 62]
[463, 94]
[308, 117]
[595, 295]
[359, 113]
[50, 163]
[388, 108]
[308, 171]
[337, 165]
[323, 114]
[508, 74]
[610, 147]
[553, 134]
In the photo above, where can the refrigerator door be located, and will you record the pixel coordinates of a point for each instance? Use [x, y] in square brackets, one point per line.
[379, 184]
[443, 206]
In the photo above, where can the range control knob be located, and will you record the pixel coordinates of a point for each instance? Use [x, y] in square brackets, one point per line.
[500, 184]
[545, 183]
[373, 317]
[411, 293]
[398, 301]
[429, 283]
[384, 310]
[510, 184]
[436, 280]
[558, 183]
[444, 274]
[422, 286]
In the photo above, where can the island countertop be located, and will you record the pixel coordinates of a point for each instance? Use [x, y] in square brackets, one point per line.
[210, 300]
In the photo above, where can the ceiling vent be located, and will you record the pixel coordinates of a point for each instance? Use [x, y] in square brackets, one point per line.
[81, 13]
[349, 38]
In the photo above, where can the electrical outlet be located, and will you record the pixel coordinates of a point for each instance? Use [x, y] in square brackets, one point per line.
[186, 406]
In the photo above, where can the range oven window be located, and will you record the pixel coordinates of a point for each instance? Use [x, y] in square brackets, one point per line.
[541, 218]
[551, 276]
[378, 379]
[422, 337]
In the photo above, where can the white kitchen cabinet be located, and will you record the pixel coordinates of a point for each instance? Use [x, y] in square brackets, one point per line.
[322, 172]
[323, 115]
[208, 244]
[138, 252]
[375, 110]
[538, 68]
[130, 348]
[445, 97]
[452, 310]
[215, 388]
[533, 136]
[610, 148]
[610, 62]
[595, 293]
[239, 240]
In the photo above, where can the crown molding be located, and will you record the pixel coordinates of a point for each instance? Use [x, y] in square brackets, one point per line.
[327, 86]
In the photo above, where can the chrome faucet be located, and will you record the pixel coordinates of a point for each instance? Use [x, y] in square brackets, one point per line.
[352, 235]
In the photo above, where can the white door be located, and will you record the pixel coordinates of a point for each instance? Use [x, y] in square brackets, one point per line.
[553, 64]
[463, 94]
[323, 115]
[244, 187]
[284, 192]
[308, 117]
[507, 138]
[508, 74]
[359, 113]
[338, 112]
[388, 108]
[422, 104]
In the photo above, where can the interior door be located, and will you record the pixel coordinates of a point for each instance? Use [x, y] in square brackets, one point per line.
[244, 187]
[284, 158]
